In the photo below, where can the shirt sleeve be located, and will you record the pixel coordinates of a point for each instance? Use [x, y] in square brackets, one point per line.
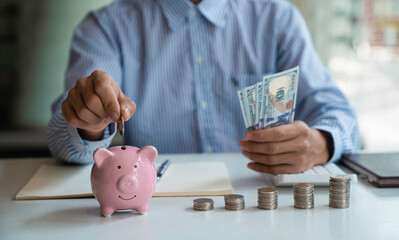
[65, 142]
[319, 102]
[94, 47]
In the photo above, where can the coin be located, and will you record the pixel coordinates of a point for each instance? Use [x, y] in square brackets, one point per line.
[267, 198]
[234, 202]
[203, 204]
[339, 191]
[303, 195]
[340, 178]
[121, 126]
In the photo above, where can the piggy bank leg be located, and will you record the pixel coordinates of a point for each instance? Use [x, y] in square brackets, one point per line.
[107, 211]
[142, 210]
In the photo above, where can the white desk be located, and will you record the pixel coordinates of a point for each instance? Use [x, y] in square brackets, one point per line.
[373, 214]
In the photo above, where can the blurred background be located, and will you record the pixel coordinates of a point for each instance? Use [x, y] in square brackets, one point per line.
[358, 40]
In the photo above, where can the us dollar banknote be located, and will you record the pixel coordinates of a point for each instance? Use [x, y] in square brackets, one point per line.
[259, 95]
[249, 95]
[280, 91]
[243, 110]
[270, 102]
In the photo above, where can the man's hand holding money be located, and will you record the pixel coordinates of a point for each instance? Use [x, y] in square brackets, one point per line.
[291, 148]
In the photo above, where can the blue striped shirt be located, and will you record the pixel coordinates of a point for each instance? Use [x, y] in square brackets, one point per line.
[182, 64]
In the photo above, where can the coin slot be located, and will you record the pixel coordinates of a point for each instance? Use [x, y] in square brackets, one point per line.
[123, 148]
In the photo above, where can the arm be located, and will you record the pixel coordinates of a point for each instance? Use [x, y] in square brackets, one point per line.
[327, 124]
[82, 118]
[320, 104]
[66, 144]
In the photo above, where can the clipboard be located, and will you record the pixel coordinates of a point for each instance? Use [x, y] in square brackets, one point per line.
[379, 169]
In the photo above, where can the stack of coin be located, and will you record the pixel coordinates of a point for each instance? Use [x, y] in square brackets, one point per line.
[203, 204]
[267, 198]
[234, 202]
[303, 195]
[339, 191]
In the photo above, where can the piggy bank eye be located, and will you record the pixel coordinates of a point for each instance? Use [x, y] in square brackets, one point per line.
[135, 166]
[119, 167]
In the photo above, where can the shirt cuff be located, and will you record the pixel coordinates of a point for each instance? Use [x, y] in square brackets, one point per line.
[82, 145]
[337, 142]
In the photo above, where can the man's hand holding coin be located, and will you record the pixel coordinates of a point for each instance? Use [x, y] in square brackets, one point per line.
[94, 103]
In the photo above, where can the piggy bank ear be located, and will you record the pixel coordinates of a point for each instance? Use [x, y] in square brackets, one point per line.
[100, 155]
[148, 152]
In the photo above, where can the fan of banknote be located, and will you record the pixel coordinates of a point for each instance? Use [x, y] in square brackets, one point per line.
[270, 102]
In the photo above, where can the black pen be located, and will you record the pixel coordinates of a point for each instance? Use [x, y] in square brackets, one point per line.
[162, 169]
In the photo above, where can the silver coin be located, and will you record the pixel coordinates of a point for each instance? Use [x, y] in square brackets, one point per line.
[308, 206]
[271, 207]
[267, 190]
[267, 203]
[304, 199]
[234, 202]
[339, 181]
[333, 204]
[339, 191]
[339, 188]
[340, 178]
[303, 195]
[203, 204]
[303, 185]
[121, 126]
[267, 198]
[233, 197]
[238, 208]
[340, 196]
[202, 200]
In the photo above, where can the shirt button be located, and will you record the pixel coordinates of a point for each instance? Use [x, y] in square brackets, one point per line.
[204, 105]
[193, 12]
[199, 59]
[208, 148]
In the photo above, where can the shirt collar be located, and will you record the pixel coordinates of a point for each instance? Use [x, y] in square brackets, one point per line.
[176, 11]
[214, 10]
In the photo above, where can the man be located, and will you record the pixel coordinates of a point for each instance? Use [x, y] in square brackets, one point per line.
[181, 63]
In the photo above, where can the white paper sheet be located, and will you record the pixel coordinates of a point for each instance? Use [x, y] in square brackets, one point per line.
[181, 179]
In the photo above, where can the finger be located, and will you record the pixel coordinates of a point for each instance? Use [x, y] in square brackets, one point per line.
[294, 145]
[104, 87]
[93, 101]
[278, 134]
[71, 117]
[276, 169]
[285, 158]
[127, 106]
[82, 111]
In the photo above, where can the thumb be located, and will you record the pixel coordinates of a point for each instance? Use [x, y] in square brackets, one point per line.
[127, 106]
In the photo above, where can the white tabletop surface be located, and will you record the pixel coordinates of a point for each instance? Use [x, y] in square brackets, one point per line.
[373, 212]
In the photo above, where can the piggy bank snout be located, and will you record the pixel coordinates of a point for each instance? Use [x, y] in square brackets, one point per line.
[127, 184]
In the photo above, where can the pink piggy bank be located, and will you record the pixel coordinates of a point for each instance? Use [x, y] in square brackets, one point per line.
[123, 177]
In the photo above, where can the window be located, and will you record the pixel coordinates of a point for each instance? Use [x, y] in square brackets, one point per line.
[358, 40]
